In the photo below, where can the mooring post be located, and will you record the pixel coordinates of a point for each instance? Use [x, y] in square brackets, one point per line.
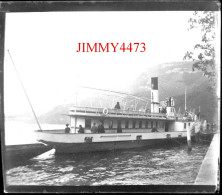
[189, 140]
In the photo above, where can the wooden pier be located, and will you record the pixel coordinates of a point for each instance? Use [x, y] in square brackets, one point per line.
[209, 170]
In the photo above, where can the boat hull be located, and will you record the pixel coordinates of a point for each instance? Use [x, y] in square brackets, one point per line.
[15, 155]
[89, 142]
[62, 148]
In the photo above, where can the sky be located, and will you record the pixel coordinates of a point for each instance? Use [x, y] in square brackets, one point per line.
[43, 47]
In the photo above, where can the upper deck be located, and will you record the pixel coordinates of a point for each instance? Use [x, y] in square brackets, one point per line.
[115, 113]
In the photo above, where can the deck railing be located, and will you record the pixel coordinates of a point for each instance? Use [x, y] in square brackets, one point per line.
[116, 112]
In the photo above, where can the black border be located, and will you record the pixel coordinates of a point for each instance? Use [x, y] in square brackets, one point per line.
[125, 188]
[108, 5]
[117, 5]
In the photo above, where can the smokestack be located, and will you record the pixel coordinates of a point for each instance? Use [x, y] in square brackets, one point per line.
[154, 95]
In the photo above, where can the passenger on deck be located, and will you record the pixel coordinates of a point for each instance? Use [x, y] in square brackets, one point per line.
[94, 128]
[101, 128]
[117, 106]
[67, 129]
[147, 110]
[163, 110]
[81, 129]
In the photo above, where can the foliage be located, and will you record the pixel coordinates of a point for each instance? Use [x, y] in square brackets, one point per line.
[203, 54]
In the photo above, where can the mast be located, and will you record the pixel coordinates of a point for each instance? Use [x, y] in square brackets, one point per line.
[76, 90]
[179, 115]
[25, 92]
[185, 98]
[199, 113]
[74, 122]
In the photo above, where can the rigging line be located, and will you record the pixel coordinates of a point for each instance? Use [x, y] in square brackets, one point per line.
[143, 99]
[25, 91]
[108, 95]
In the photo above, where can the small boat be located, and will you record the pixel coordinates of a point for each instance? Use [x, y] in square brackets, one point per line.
[18, 154]
[123, 128]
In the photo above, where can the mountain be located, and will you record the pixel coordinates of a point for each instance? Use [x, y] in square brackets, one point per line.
[173, 78]
[57, 115]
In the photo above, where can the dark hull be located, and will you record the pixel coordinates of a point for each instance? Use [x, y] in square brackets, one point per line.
[204, 137]
[18, 154]
[109, 146]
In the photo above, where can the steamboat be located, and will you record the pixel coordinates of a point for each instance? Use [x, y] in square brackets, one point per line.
[122, 128]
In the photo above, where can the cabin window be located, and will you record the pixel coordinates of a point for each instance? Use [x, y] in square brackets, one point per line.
[140, 124]
[119, 124]
[134, 124]
[126, 124]
[151, 124]
[156, 124]
[88, 123]
[110, 124]
[146, 125]
[188, 124]
[162, 124]
[185, 125]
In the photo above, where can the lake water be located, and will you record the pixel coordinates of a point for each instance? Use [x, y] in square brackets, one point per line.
[23, 133]
[144, 166]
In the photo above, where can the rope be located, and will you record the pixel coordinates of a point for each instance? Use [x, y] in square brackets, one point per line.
[25, 91]
[137, 97]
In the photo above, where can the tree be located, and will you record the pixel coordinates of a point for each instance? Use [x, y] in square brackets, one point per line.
[203, 53]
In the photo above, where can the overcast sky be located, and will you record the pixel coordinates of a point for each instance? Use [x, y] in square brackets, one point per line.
[43, 47]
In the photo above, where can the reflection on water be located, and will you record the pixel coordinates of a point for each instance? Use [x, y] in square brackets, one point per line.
[127, 167]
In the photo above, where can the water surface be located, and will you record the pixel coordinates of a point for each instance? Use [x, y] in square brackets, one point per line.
[142, 166]
[127, 167]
